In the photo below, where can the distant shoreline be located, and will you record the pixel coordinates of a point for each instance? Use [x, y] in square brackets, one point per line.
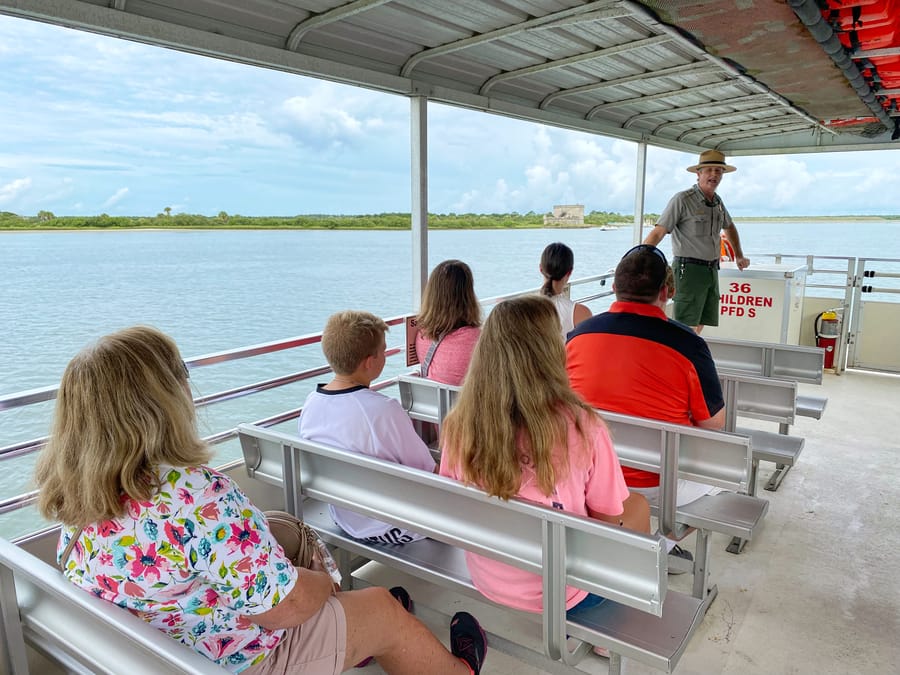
[618, 224]
[814, 219]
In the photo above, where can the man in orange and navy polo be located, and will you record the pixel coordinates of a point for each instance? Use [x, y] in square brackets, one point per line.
[634, 360]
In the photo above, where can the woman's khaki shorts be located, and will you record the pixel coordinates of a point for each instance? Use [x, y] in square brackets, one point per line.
[317, 647]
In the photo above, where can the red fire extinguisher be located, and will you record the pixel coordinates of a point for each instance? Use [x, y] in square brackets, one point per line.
[828, 330]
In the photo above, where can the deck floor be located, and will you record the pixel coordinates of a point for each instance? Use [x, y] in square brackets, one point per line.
[818, 590]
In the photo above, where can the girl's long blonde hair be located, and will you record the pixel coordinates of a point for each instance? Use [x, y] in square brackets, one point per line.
[516, 402]
[123, 409]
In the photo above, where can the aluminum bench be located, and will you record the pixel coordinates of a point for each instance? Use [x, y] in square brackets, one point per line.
[77, 631]
[640, 620]
[794, 363]
[756, 397]
[425, 400]
[703, 456]
[764, 399]
[768, 359]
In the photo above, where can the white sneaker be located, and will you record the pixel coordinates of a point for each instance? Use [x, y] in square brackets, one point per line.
[680, 561]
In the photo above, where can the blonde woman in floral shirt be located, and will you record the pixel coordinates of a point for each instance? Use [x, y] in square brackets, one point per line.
[159, 533]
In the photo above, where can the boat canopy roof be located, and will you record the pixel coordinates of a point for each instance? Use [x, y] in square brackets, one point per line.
[742, 77]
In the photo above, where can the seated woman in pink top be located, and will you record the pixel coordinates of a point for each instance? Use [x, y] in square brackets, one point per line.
[449, 323]
[518, 430]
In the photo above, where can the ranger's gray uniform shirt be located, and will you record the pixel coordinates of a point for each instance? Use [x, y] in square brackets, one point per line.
[694, 225]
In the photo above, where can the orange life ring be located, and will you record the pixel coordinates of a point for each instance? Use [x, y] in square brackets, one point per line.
[726, 250]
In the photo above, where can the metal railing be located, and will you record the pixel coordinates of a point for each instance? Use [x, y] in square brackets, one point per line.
[34, 396]
[861, 280]
[853, 273]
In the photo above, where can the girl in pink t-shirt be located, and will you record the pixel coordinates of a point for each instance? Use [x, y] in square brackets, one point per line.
[449, 323]
[518, 430]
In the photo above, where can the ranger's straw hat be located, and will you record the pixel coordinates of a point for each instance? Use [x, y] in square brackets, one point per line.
[711, 158]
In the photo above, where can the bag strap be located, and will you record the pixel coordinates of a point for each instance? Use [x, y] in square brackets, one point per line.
[426, 364]
[71, 545]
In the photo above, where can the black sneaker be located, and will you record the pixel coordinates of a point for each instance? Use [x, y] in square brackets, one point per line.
[467, 640]
[679, 560]
[402, 597]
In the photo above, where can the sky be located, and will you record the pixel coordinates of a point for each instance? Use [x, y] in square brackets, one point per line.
[91, 125]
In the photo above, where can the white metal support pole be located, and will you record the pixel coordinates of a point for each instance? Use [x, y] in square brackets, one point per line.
[639, 183]
[419, 173]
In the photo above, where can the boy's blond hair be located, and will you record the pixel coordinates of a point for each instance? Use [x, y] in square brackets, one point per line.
[349, 338]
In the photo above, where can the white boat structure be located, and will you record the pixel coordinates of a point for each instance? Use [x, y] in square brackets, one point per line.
[816, 589]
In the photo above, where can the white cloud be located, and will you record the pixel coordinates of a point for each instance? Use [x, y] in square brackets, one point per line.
[84, 112]
[335, 116]
[321, 120]
[543, 166]
[119, 195]
[13, 189]
[170, 132]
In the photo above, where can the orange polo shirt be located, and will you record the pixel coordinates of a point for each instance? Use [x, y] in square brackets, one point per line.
[634, 360]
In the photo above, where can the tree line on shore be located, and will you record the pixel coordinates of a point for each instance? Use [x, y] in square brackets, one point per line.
[379, 221]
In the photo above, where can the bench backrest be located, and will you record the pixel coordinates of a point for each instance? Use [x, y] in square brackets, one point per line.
[613, 562]
[42, 608]
[765, 359]
[426, 400]
[695, 454]
[761, 398]
[671, 450]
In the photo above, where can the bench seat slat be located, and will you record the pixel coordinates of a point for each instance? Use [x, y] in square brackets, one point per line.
[728, 513]
[658, 641]
[811, 406]
[427, 559]
[771, 447]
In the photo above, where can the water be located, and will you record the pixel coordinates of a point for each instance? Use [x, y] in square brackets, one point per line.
[221, 290]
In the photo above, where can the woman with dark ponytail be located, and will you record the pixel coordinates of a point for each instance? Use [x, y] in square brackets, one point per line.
[557, 262]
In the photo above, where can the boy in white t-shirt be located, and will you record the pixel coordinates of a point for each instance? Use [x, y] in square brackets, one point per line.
[346, 414]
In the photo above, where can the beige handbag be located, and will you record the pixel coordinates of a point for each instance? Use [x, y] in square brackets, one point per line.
[301, 544]
[299, 541]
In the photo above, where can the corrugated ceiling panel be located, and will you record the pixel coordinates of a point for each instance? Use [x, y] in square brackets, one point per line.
[383, 37]
[358, 46]
[250, 17]
[412, 25]
[473, 15]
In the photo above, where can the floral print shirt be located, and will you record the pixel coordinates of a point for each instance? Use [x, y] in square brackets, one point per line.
[196, 561]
